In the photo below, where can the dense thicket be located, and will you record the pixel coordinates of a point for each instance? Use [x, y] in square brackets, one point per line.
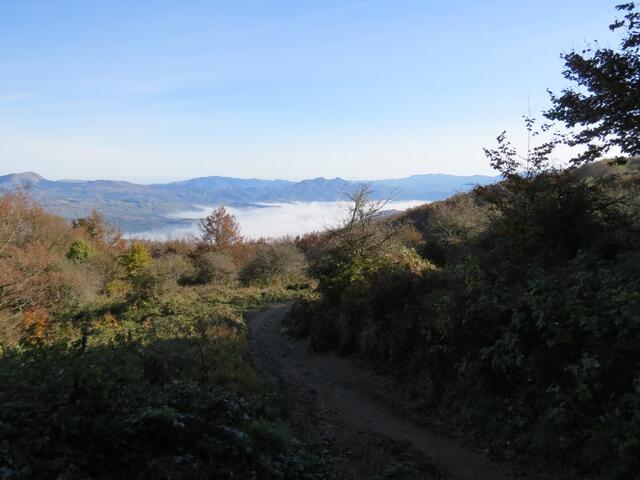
[519, 317]
[516, 313]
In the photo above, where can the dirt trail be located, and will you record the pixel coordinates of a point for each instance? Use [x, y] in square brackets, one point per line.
[354, 413]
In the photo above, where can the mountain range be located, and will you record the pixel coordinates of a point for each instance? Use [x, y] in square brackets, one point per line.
[134, 207]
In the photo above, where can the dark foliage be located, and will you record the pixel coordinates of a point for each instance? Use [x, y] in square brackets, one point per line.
[521, 322]
[604, 106]
[142, 402]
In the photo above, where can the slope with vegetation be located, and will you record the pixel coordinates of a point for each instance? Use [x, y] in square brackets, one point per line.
[129, 360]
[514, 314]
[511, 310]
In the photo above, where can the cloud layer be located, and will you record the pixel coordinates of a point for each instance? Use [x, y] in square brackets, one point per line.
[274, 219]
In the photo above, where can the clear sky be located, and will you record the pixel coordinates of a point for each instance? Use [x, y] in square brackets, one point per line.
[163, 90]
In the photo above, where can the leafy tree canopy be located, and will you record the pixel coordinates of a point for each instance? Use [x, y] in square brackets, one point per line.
[219, 231]
[603, 107]
[136, 260]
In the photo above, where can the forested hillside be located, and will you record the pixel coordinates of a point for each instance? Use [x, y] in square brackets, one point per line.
[512, 311]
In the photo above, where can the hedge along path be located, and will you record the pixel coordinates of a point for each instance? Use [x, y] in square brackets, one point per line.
[346, 409]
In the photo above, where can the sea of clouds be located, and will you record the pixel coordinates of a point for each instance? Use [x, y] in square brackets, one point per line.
[271, 220]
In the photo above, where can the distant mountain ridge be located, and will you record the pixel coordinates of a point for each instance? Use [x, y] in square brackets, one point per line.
[135, 207]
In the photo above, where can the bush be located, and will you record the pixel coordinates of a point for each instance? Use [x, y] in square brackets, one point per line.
[80, 251]
[449, 225]
[170, 270]
[136, 260]
[215, 267]
[274, 262]
[33, 272]
[354, 318]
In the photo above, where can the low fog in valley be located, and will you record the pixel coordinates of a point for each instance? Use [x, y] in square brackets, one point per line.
[271, 220]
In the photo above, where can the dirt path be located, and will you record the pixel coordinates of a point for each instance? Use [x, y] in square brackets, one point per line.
[353, 413]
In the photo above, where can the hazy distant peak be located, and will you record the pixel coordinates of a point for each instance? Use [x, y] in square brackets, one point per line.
[135, 207]
[322, 179]
[22, 178]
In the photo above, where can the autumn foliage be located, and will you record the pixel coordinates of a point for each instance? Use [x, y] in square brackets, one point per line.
[124, 350]
[219, 231]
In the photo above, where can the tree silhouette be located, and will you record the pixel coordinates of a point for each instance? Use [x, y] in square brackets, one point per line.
[603, 108]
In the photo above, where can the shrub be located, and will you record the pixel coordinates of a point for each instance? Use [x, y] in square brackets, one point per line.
[170, 270]
[80, 251]
[32, 246]
[136, 260]
[117, 289]
[215, 267]
[274, 262]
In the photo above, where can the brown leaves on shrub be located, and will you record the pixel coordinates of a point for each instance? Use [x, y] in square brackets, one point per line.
[35, 325]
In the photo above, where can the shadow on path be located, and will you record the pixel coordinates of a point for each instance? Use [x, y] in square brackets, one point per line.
[345, 408]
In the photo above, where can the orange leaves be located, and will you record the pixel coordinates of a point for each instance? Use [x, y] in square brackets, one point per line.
[35, 325]
[220, 230]
[29, 277]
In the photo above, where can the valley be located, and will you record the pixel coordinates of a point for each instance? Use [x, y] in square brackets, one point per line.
[170, 207]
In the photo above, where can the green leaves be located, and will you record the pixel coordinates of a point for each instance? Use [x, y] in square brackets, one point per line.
[136, 260]
[80, 251]
[528, 328]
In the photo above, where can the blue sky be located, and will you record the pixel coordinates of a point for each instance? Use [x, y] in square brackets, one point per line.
[163, 90]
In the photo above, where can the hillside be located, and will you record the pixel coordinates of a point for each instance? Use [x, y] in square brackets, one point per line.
[127, 360]
[509, 312]
[421, 216]
[134, 207]
[466, 307]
